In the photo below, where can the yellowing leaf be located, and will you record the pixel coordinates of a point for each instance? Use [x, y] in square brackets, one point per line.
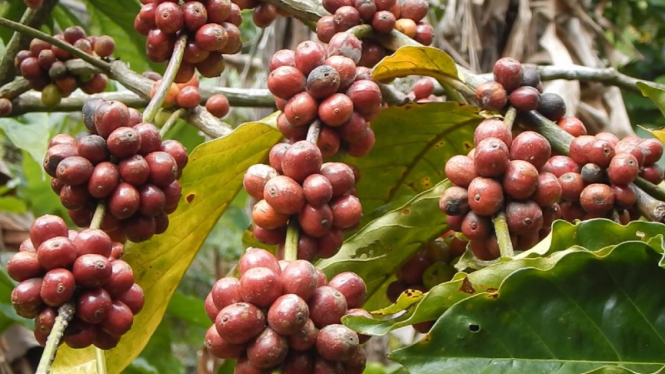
[657, 95]
[410, 60]
[209, 183]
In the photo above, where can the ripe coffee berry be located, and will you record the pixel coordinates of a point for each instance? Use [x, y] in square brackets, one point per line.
[56, 280]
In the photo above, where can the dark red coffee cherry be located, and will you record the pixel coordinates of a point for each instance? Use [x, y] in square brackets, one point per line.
[260, 286]
[491, 157]
[92, 270]
[352, 287]
[524, 217]
[93, 148]
[327, 306]
[455, 201]
[572, 185]
[316, 221]
[340, 175]
[525, 98]
[623, 169]
[509, 73]
[121, 280]
[134, 298]
[58, 287]
[548, 191]
[119, 319]
[597, 199]
[124, 201]
[93, 305]
[58, 252]
[346, 211]
[288, 314]
[103, 181]
[520, 179]
[301, 159]
[476, 227]
[46, 227]
[139, 228]
[26, 299]
[336, 342]
[601, 153]
[531, 147]
[221, 348]
[284, 194]
[55, 155]
[491, 96]
[24, 265]
[240, 322]
[79, 334]
[286, 81]
[485, 196]
[163, 168]
[74, 170]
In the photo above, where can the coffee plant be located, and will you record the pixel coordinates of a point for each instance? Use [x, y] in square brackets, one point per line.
[390, 188]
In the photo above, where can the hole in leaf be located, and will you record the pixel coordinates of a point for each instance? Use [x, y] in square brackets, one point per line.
[474, 328]
[189, 198]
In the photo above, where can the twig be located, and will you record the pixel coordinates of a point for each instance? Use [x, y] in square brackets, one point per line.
[392, 95]
[503, 235]
[291, 244]
[208, 124]
[100, 359]
[98, 217]
[102, 65]
[650, 188]
[65, 314]
[649, 207]
[31, 101]
[252, 53]
[19, 41]
[314, 131]
[558, 138]
[175, 116]
[509, 117]
[307, 11]
[14, 88]
[165, 85]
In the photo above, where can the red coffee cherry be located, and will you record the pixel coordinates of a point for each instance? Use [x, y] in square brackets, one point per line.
[288, 314]
[221, 348]
[93, 305]
[284, 194]
[597, 199]
[531, 147]
[92, 270]
[352, 287]
[491, 96]
[218, 105]
[524, 217]
[623, 169]
[119, 319]
[572, 125]
[283, 57]
[301, 159]
[485, 196]
[286, 81]
[548, 191]
[240, 322]
[58, 287]
[327, 306]
[509, 73]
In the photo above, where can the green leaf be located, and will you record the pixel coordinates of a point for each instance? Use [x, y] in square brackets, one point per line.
[188, 308]
[384, 244]
[656, 95]
[158, 353]
[209, 183]
[413, 143]
[116, 19]
[64, 17]
[12, 204]
[32, 137]
[589, 235]
[13, 10]
[590, 310]
[411, 60]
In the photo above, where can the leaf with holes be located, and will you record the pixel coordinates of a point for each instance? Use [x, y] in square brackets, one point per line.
[410, 60]
[413, 143]
[376, 250]
[590, 310]
[589, 235]
[209, 183]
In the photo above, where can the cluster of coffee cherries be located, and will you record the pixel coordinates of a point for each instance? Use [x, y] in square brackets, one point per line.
[43, 65]
[596, 179]
[286, 315]
[427, 268]
[502, 173]
[297, 185]
[211, 26]
[520, 87]
[313, 83]
[58, 266]
[121, 161]
[187, 95]
[383, 15]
